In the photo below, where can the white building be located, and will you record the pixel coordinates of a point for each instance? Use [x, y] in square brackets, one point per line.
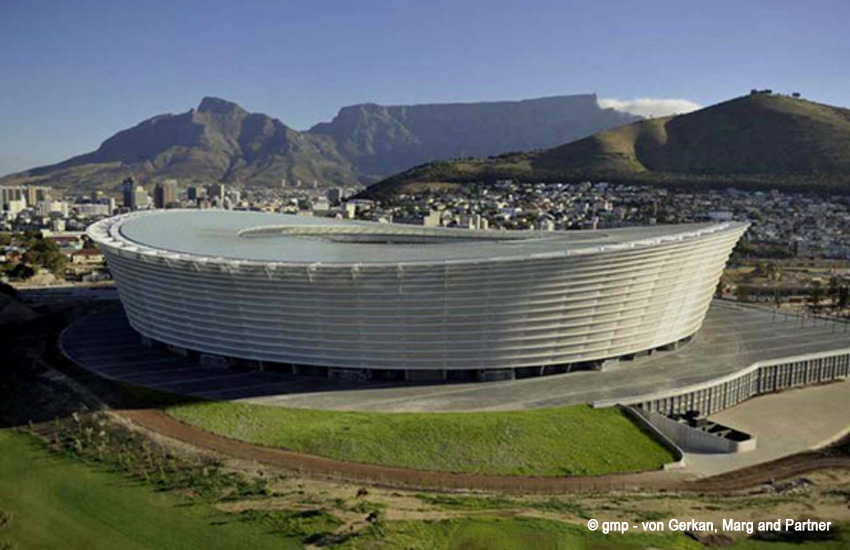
[300, 290]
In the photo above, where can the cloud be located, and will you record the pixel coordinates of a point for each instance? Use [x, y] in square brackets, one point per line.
[647, 106]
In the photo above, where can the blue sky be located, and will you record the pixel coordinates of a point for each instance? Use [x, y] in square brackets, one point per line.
[73, 73]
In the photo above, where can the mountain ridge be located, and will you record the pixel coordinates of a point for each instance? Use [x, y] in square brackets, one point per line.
[220, 141]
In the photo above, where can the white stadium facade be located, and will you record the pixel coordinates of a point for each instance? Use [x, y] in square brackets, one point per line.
[360, 300]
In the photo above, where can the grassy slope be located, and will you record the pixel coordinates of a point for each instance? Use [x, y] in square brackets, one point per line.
[752, 140]
[511, 534]
[60, 503]
[540, 534]
[57, 502]
[549, 442]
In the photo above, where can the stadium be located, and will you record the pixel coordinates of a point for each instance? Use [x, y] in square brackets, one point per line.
[359, 300]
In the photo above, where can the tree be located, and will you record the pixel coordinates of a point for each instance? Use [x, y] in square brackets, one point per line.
[742, 293]
[843, 297]
[30, 236]
[775, 277]
[20, 272]
[815, 297]
[832, 292]
[45, 253]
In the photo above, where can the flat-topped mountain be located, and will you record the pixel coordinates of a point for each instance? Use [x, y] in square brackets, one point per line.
[383, 140]
[220, 141]
[762, 139]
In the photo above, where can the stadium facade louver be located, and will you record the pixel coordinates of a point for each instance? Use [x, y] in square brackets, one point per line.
[359, 297]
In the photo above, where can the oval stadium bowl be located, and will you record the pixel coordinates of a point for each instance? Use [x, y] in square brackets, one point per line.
[341, 294]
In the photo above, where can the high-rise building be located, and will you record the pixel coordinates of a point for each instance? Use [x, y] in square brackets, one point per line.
[165, 194]
[335, 196]
[215, 191]
[129, 188]
[30, 194]
[194, 193]
[139, 198]
[34, 195]
[12, 193]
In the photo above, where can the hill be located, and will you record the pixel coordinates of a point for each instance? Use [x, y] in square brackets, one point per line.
[760, 140]
[220, 141]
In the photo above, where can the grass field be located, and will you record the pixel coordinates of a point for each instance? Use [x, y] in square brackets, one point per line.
[547, 442]
[508, 534]
[541, 534]
[58, 502]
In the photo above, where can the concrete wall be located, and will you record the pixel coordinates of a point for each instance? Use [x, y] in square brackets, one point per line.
[760, 378]
[692, 440]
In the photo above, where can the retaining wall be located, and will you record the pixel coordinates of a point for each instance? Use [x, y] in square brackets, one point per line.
[759, 378]
[692, 440]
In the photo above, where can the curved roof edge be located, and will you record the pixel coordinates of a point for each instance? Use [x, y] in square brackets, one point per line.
[200, 236]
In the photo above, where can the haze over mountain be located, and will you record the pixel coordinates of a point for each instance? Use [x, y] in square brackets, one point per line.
[763, 140]
[220, 141]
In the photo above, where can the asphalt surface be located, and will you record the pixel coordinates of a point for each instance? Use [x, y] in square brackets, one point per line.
[732, 338]
[783, 424]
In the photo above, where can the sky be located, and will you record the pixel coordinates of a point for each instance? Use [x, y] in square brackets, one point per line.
[73, 73]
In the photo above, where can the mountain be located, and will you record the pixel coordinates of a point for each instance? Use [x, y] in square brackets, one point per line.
[763, 140]
[220, 141]
[382, 140]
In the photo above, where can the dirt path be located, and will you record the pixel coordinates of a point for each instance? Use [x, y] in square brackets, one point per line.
[768, 472]
[161, 423]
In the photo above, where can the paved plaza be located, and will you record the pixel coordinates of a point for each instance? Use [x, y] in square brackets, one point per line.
[732, 337]
[783, 424]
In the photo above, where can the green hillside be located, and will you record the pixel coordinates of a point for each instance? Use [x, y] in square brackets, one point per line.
[56, 502]
[575, 440]
[759, 140]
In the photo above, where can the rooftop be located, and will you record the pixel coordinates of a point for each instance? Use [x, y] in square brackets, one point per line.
[279, 238]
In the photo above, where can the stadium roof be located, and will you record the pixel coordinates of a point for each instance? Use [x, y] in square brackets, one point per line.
[279, 238]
